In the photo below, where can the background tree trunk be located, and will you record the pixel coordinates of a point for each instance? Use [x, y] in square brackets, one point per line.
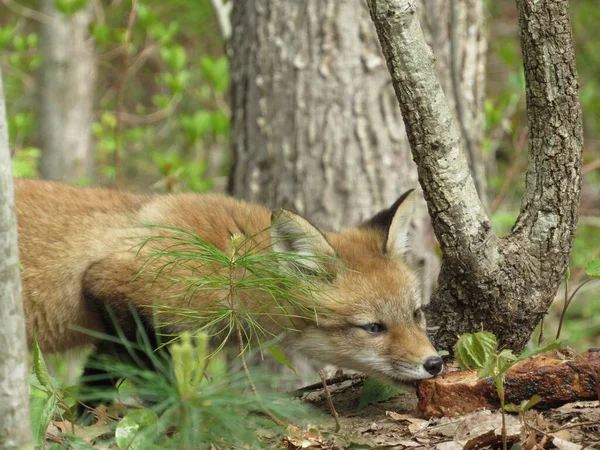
[455, 31]
[15, 428]
[503, 285]
[316, 128]
[66, 94]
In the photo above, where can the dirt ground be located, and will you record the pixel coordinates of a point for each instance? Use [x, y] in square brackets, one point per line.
[393, 424]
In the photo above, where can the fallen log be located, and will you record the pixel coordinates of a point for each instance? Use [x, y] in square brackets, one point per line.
[558, 377]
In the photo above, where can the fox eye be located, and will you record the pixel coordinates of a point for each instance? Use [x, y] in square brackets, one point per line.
[375, 328]
[418, 315]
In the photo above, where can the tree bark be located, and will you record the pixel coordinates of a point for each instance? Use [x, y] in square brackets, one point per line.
[15, 429]
[315, 127]
[503, 285]
[66, 84]
[460, 50]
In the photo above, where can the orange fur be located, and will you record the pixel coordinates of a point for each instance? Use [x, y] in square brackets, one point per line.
[78, 249]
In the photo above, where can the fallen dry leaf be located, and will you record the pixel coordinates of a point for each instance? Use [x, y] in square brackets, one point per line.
[407, 444]
[449, 445]
[415, 424]
[480, 422]
[561, 444]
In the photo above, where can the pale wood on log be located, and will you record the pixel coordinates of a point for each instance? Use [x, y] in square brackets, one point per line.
[558, 377]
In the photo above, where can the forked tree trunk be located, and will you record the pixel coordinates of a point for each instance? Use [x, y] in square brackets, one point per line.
[15, 431]
[66, 84]
[316, 128]
[504, 285]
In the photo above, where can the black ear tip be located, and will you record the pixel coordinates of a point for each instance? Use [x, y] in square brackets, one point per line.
[404, 196]
[383, 219]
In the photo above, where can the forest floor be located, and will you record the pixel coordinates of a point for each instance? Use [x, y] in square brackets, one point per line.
[394, 424]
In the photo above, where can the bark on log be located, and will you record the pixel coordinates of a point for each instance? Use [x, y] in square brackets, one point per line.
[556, 379]
[505, 284]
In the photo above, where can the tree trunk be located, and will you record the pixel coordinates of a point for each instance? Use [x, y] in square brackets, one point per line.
[315, 126]
[503, 285]
[15, 429]
[66, 96]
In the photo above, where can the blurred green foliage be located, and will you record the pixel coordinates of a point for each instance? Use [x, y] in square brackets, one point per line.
[505, 148]
[176, 80]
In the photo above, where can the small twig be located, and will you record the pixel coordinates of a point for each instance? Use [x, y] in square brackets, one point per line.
[148, 119]
[503, 412]
[330, 401]
[541, 336]
[330, 381]
[567, 303]
[121, 91]
[532, 427]
[565, 306]
[29, 13]
[427, 428]
[240, 339]
[589, 167]
[51, 437]
[575, 425]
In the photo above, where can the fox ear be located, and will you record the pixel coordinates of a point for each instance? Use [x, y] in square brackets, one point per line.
[395, 223]
[290, 233]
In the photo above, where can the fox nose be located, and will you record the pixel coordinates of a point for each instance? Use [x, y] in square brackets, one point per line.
[433, 365]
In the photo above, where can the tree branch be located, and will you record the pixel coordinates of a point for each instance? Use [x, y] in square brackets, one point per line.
[458, 217]
[549, 208]
[223, 12]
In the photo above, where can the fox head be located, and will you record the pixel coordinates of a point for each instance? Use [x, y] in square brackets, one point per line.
[371, 318]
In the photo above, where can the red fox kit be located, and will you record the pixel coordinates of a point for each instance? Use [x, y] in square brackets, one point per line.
[77, 257]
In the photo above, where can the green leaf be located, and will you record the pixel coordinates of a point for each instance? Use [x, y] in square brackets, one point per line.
[592, 269]
[6, 35]
[162, 101]
[507, 355]
[109, 119]
[174, 57]
[39, 366]
[197, 125]
[511, 407]
[135, 431]
[19, 42]
[525, 405]
[32, 40]
[551, 346]
[101, 33]
[531, 402]
[473, 350]
[69, 7]
[375, 391]
[278, 355]
[42, 411]
[216, 71]
[220, 123]
[489, 368]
